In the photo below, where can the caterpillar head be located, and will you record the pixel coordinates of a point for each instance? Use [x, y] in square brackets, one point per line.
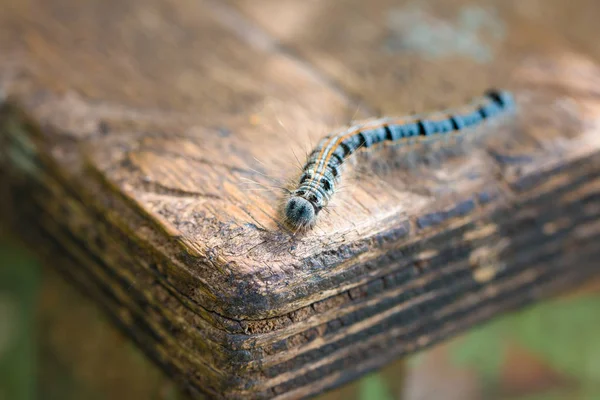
[300, 213]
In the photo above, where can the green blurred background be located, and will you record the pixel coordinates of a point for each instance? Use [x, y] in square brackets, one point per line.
[56, 344]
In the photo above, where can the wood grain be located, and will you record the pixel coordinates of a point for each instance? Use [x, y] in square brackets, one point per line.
[136, 140]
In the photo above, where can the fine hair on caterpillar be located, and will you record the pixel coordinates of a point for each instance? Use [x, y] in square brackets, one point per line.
[322, 172]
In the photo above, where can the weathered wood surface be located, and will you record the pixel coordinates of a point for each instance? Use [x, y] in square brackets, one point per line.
[128, 130]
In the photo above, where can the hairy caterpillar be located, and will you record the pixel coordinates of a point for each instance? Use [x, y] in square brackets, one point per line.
[322, 171]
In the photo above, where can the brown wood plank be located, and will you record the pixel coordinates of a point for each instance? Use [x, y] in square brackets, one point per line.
[128, 132]
[399, 56]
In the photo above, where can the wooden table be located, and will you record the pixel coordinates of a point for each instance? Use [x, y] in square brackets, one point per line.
[135, 139]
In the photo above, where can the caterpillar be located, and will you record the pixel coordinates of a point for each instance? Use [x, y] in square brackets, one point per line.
[322, 171]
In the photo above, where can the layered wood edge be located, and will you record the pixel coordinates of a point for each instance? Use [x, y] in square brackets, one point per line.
[486, 255]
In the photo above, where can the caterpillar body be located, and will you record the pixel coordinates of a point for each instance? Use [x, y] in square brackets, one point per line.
[322, 171]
